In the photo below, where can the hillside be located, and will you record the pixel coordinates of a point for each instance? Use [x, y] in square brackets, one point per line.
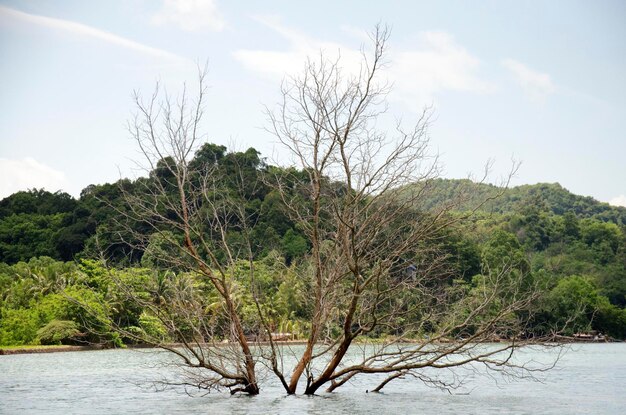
[551, 197]
[571, 248]
[40, 223]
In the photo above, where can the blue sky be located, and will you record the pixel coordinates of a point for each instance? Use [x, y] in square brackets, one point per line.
[542, 82]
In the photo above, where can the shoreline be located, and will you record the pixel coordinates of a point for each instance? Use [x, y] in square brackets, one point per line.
[36, 349]
[45, 349]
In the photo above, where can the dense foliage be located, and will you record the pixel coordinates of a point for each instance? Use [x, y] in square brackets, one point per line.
[550, 197]
[53, 291]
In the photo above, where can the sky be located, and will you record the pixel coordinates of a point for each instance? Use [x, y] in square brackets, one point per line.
[541, 82]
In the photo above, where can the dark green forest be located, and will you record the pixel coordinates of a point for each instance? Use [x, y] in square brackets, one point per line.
[61, 258]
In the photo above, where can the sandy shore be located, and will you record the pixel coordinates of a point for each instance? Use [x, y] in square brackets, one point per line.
[45, 349]
[56, 349]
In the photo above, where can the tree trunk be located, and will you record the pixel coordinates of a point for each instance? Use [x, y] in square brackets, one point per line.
[330, 368]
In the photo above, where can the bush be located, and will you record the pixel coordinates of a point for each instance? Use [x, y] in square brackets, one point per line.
[152, 327]
[58, 332]
[18, 326]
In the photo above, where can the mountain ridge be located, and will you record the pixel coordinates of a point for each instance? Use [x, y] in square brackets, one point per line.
[551, 197]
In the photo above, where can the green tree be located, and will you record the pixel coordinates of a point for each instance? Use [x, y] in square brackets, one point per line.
[504, 251]
[294, 245]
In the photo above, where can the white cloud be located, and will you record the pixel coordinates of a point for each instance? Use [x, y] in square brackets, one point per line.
[16, 175]
[190, 15]
[536, 85]
[437, 64]
[85, 31]
[618, 201]
[277, 64]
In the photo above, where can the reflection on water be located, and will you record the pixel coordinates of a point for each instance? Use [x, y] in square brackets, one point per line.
[590, 378]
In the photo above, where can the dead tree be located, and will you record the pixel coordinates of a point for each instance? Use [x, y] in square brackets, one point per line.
[189, 210]
[363, 220]
[375, 267]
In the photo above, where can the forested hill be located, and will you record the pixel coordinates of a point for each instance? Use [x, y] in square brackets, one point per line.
[39, 223]
[551, 197]
[572, 247]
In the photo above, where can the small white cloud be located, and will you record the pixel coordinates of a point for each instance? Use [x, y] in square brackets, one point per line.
[437, 64]
[27, 173]
[536, 85]
[618, 201]
[276, 64]
[191, 15]
[85, 31]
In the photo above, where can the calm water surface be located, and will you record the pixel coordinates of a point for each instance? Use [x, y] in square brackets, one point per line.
[589, 379]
